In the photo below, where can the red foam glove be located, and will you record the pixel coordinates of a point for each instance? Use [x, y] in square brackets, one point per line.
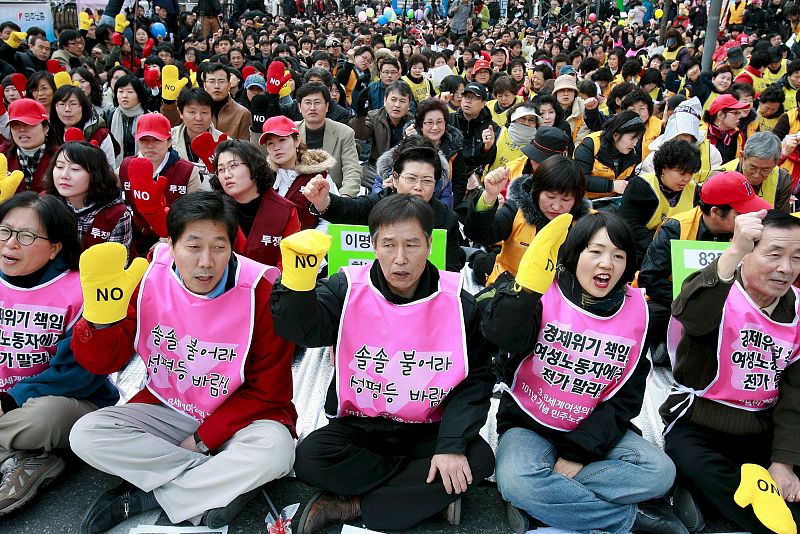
[240, 243]
[151, 78]
[54, 67]
[20, 81]
[74, 134]
[248, 70]
[116, 39]
[276, 77]
[148, 194]
[204, 146]
[148, 47]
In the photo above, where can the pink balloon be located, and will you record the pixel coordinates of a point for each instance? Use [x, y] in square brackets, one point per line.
[592, 17]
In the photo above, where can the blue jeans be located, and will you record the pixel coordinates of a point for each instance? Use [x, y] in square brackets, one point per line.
[603, 495]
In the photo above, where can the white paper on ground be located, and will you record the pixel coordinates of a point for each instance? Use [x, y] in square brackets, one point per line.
[158, 529]
[550, 530]
[347, 529]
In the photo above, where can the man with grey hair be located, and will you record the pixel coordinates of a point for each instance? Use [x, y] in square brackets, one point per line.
[759, 164]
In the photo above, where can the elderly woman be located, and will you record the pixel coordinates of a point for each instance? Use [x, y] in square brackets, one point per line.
[43, 390]
[31, 146]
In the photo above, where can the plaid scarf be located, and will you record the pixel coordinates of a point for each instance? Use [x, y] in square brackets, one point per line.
[29, 162]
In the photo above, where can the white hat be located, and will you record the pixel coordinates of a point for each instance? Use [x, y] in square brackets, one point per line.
[684, 120]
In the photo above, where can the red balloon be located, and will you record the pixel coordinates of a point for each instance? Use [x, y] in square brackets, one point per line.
[592, 17]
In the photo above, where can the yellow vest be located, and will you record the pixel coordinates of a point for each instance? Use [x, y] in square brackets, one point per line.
[791, 98]
[765, 124]
[599, 169]
[705, 162]
[654, 93]
[794, 127]
[513, 248]
[736, 12]
[652, 130]
[758, 83]
[664, 211]
[506, 150]
[669, 56]
[769, 187]
[515, 167]
[500, 117]
[772, 77]
[710, 100]
[421, 90]
[690, 223]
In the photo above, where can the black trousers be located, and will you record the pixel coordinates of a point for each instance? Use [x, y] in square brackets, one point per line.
[709, 466]
[659, 321]
[386, 467]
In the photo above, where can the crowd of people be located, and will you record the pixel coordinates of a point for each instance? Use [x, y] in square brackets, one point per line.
[168, 182]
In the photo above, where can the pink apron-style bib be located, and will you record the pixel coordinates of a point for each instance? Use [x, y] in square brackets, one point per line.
[390, 361]
[32, 322]
[195, 348]
[579, 360]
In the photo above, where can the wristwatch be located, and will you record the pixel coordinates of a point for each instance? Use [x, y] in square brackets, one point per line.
[199, 445]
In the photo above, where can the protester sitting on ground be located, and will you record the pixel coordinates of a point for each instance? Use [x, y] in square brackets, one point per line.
[651, 198]
[265, 217]
[198, 441]
[722, 126]
[81, 177]
[416, 172]
[43, 390]
[72, 109]
[727, 421]
[195, 107]
[31, 147]
[519, 132]
[582, 466]
[391, 463]
[129, 94]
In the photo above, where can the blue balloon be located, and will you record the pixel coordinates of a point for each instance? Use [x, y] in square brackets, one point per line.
[158, 30]
[382, 20]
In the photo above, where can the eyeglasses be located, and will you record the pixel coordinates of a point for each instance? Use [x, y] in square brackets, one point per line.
[427, 183]
[217, 83]
[229, 169]
[433, 124]
[24, 237]
[76, 42]
[761, 171]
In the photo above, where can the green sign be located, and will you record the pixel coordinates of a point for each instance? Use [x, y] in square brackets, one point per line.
[690, 256]
[351, 245]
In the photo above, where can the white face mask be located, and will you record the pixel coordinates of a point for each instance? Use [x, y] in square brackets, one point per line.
[520, 134]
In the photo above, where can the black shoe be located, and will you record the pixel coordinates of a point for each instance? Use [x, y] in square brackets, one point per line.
[219, 517]
[517, 519]
[660, 356]
[657, 520]
[112, 508]
[687, 510]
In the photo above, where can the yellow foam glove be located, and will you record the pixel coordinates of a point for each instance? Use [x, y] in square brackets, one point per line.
[120, 23]
[759, 489]
[63, 78]
[171, 85]
[8, 182]
[193, 78]
[302, 254]
[16, 39]
[107, 286]
[286, 90]
[84, 20]
[538, 265]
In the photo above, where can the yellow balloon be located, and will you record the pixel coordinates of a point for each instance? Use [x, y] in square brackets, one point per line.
[622, 22]
[659, 13]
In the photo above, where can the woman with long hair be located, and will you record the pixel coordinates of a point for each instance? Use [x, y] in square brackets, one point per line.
[72, 109]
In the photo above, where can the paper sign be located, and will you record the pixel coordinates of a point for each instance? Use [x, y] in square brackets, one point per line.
[27, 14]
[690, 256]
[158, 529]
[437, 74]
[348, 529]
[351, 245]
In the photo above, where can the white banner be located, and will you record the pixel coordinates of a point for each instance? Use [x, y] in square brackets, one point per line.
[28, 14]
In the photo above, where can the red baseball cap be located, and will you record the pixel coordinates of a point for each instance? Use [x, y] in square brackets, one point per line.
[481, 64]
[725, 102]
[732, 189]
[153, 125]
[278, 125]
[28, 111]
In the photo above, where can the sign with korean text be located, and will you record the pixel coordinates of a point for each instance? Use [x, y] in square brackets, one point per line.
[690, 256]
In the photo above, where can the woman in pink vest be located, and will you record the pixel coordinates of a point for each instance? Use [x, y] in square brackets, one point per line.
[73, 109]
[43, 390]
[573, 381]
[265, 217]
[81, 176]
[295, 165]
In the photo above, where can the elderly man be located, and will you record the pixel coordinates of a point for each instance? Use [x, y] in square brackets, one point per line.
[759, 164]
[738, 395]
[219, 378]
[407, 401]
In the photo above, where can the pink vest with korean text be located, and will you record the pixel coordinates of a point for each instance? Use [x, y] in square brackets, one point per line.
[390, 361]
[32, 322]
[194, 347]
[752, 353]
[579, 360]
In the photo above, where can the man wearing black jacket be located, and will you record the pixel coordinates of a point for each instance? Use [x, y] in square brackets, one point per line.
[391, 453]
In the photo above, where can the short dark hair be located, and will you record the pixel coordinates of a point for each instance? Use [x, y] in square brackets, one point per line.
[638, 95]
[211, 67]
[323, 74]
[63, 94]
[57, 219]
[742, 89]
[421, 154]
[504, 84]
[676, 154]
[253, 158]
[195, 95]
[428, 105]
[401, 88]
[781, 220]
[617, 125]
[362, 49]
[581, 234]
[772, 94]
[103, 181]
[417, 58]
[311, 89]
[133, 81]
[563, 175]
[66, 36]
[35, 78]
[400, 208]
[202, 206]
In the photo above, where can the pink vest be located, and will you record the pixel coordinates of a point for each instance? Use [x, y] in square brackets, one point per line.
[579, 360]
[32, 322]
[399, 361]
[753, 352]
[194, 348]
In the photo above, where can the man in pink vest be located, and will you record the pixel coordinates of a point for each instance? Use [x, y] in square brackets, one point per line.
[737, 394]
[412, 383]
[215, 420]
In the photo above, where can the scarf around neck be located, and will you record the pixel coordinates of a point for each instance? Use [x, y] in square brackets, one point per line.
[118, 126]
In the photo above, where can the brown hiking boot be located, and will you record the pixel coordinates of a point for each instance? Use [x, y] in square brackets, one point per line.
[453, 512]
[23, 475]
[328, 509]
